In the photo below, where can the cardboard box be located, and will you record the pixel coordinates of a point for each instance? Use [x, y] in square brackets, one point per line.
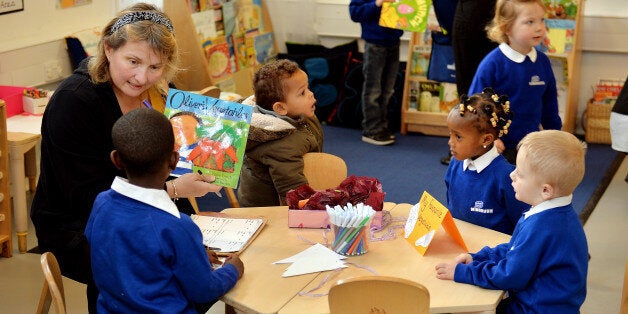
[35, 105]
[318, 219]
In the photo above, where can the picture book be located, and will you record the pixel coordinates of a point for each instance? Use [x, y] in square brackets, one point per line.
[229, 17]
[239, 49]
[205, 24]
[219, 59]
[429, 96]
[264, 45]
[409, 15]
[413, 95]
[420, 60]
[210, 135]
[448, 96]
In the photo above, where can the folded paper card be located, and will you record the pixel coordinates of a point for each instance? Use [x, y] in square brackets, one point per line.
[425, 218]
[311, 260]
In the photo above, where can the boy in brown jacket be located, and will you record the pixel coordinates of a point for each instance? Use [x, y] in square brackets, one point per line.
[283, 129]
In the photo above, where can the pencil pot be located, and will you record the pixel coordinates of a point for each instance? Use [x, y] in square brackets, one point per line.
[350, 241]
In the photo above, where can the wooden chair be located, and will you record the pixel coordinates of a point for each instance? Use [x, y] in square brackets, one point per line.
[378, 294]
[323, 170]
[53, 285]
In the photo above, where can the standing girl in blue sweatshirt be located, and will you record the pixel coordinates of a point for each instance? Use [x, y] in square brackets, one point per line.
[517, 69]
[478, 183]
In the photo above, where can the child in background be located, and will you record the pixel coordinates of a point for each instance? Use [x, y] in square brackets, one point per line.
[517, 69]
[544, 266]
[381, 63]
[283, 129]
[478, 178]
[145, 255]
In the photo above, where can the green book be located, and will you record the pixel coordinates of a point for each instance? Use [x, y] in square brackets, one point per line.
[409, 15]
[210, 135]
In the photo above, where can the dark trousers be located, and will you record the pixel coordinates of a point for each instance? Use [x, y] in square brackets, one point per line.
[469, 39]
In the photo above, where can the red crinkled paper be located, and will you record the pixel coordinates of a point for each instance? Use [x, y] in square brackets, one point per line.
[354, 190]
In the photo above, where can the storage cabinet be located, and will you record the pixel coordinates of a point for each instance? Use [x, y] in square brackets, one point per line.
[5, 196]
[566, 69]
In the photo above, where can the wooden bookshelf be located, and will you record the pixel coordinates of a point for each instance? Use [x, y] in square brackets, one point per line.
[434, 123]
[194, 63]
[5, 194]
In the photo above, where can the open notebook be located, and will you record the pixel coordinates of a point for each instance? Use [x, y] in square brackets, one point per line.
[228, 234]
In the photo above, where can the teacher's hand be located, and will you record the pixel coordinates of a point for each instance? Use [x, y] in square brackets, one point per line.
[194, 185]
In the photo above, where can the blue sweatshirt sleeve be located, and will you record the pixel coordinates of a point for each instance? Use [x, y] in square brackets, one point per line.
[550, 119]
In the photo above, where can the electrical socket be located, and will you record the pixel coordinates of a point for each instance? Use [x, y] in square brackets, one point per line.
[52, 70]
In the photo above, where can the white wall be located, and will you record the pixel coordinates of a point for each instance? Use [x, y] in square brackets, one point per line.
[32, 46]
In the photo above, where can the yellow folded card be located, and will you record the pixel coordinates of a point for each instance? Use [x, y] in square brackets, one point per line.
[425, 218]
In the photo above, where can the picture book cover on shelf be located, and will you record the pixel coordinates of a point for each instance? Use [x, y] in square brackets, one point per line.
[210, 135]
[429, 96]
[409, 15]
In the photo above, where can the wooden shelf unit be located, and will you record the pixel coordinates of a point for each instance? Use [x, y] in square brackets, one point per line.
[196, 68]
[434, 123]
[6, 230]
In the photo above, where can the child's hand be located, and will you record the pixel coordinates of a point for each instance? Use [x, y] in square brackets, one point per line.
[235, 260]
[499, 145]
[446, 270]
[213, 258]
[194, 185]
[464, 258]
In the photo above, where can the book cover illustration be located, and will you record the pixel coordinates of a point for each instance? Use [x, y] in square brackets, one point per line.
[420, 60]
[429, 96]
[413, 95]
[409, 15]
[219, 59]
[448, 96]
[560, 20]
[210, 135]
[264, 45]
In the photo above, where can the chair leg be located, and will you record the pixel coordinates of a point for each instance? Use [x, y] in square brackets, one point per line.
[44, 300]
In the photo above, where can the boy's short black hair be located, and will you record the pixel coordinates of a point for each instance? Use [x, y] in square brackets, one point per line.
[144, 140]
[268, 82]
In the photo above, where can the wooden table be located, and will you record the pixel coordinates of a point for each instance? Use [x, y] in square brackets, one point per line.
[263, 290]
[23, 163]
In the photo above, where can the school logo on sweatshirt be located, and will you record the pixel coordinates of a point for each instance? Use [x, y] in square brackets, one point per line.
[478, 207]
[535, 80]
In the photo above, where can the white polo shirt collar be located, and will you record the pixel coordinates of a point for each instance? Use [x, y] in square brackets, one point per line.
[515, 56]
[155, 197]
[549, 204]
[481, 162]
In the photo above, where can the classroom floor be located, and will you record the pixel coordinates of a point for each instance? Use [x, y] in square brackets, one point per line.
[21, 277]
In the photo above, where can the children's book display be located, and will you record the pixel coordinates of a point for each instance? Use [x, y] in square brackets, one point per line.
[210, 135]
[425, 218]
[409, 15]
[560, 20]
[228, 234]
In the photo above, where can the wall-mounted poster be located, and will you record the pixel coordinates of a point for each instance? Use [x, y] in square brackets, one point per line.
[10, 6]
[73, 3]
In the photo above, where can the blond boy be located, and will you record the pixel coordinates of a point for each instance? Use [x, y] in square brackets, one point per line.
[544, 266]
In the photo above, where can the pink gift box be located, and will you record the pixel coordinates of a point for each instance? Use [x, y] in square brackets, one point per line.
[318, 219]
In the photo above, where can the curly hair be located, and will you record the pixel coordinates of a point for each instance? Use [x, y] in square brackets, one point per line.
[268, 82]
[155, 32]
[492, 111]
[506, 12]
[144, 139]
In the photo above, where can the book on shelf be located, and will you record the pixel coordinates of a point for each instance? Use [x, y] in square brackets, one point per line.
[219, 58]
[560, 20]
[205, 24]
[413, 95]
[448, 96]
[409, 15]
[429, 96]
[228, 234]
[210, 135]
[420, 60]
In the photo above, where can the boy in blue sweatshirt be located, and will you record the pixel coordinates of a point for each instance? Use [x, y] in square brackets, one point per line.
[146, 257]
[544, 266]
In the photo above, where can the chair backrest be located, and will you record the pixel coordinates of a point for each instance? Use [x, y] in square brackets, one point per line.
[53, 285]
[378, 294]
[323, 170]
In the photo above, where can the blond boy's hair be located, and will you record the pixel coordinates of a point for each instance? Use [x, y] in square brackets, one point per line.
[506, 12]
[557, 157]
